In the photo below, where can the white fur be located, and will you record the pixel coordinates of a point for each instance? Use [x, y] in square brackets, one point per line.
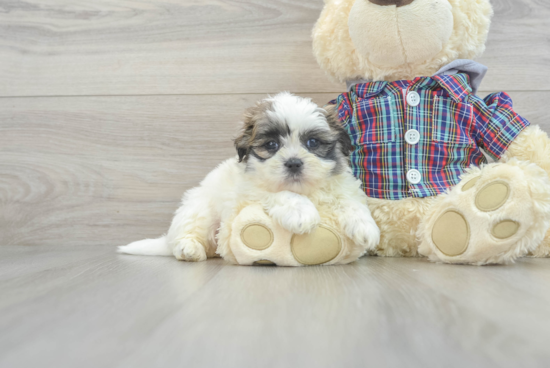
[294, 212]
[298, 113]
[291, 203]
[147, 247]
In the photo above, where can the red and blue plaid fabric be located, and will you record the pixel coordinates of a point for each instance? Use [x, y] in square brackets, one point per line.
[454, 125]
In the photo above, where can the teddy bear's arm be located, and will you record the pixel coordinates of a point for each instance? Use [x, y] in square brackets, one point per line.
[504, 134]
[497, 125]
[533, 145]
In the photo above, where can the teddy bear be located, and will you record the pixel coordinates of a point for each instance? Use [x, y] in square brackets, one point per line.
[421, 133]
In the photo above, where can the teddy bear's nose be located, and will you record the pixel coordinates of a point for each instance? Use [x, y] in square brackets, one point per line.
[397, 3]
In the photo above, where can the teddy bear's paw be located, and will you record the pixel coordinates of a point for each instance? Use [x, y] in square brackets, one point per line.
[490, 218]
[257, 239]
[487, 230]
[190, 250]
[452, 232]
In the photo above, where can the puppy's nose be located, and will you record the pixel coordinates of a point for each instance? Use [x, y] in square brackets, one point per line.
[294, 165]
[397, 3]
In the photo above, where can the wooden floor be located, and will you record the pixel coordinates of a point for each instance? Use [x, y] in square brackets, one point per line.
[89, 307]
[110, 110]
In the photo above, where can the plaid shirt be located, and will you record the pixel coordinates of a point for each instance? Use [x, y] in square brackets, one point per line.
[453, 125]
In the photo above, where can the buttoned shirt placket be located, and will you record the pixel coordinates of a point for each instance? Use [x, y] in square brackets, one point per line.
[411, 101]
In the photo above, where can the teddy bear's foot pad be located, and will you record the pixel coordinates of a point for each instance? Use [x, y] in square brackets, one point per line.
[451, 234]
[492, 196]
[320, 246]
[257, 236]
[505, 229]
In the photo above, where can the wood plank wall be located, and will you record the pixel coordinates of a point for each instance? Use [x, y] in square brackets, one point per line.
[110, 110]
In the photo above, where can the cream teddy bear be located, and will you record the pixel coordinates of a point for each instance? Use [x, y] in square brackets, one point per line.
[419, 131]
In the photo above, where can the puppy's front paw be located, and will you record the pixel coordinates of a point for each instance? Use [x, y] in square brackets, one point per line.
[300, 221]
[360, 227]
[297, 217]
[190, 250]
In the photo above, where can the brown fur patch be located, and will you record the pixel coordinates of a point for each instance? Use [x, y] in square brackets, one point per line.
[252, 118]
[343, 137]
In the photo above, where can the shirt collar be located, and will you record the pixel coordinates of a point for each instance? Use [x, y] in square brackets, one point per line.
[456, 85]
[458, 88]
[475, 71]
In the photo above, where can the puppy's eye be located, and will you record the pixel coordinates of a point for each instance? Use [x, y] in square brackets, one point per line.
[271, 146]
[313, 143]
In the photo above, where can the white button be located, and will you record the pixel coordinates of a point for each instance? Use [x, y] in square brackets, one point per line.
[412, 136]
[413, 98]
[414, 176]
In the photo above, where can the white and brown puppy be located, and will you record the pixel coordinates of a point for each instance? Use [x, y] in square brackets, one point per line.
[292, 156]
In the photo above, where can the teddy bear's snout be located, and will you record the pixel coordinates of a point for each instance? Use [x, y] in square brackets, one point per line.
[397, 3]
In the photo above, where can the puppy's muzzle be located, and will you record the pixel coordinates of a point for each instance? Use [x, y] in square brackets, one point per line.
[294, 165]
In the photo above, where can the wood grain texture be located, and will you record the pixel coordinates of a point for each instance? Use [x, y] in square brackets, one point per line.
[89, 307]
[139, 47]
[109, 170]
[136, 47]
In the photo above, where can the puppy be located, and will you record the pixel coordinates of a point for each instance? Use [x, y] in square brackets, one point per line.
[292, 156]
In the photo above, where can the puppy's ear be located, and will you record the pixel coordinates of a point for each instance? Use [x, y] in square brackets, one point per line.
[343, 137]
[253, 117]
[243, 143]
